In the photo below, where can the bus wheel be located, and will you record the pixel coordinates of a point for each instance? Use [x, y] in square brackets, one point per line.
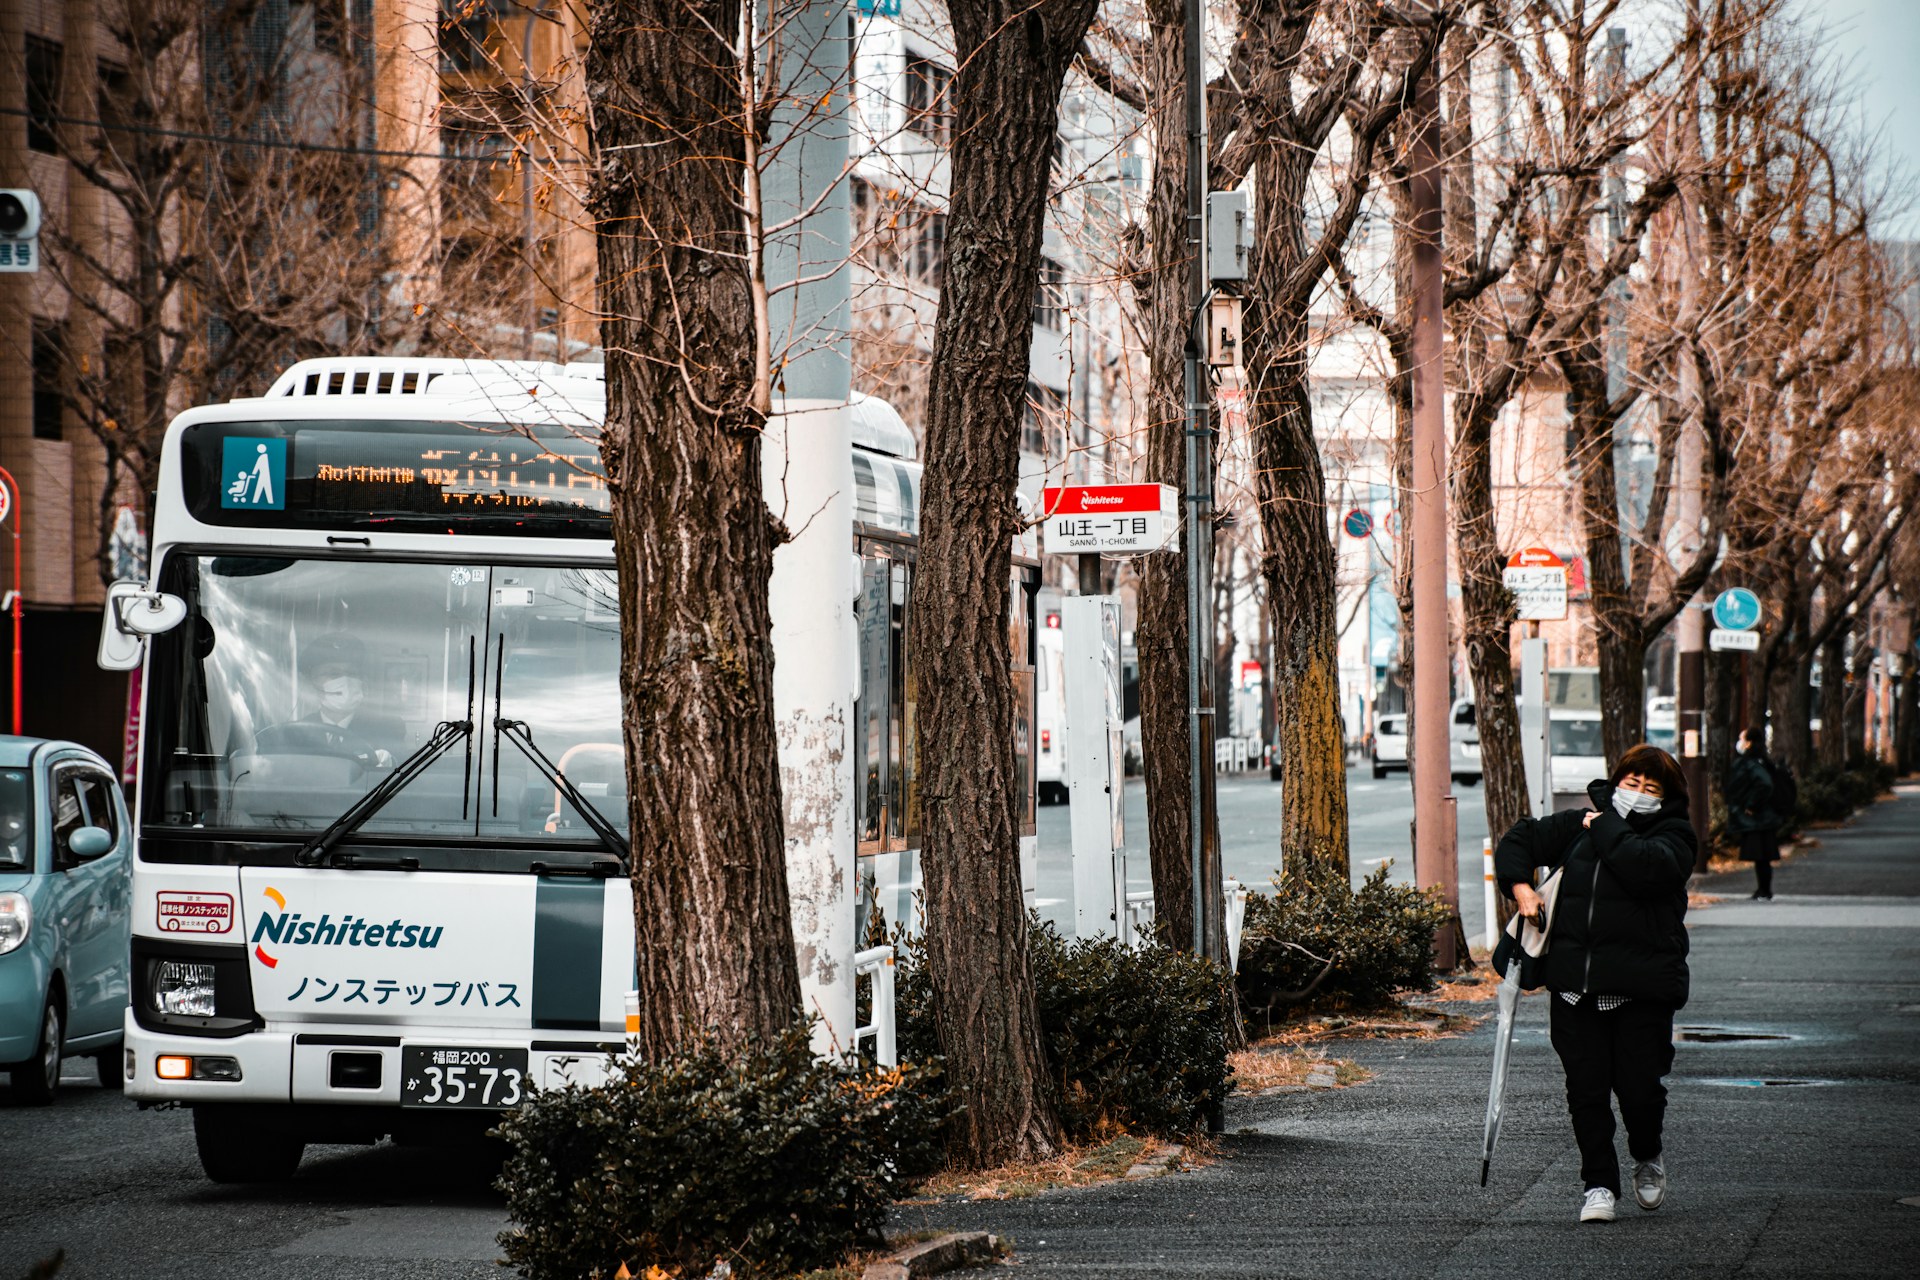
[234, 1150]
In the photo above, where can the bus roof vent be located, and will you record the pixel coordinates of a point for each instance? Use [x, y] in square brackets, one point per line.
[417, 376]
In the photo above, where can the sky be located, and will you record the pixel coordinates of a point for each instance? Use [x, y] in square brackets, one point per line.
[1881, 40]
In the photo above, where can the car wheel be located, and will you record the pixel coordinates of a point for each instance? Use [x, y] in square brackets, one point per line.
[234, 1148]
[1379, 770]
[1471, 779]
[111, 1066]
[37, 1080]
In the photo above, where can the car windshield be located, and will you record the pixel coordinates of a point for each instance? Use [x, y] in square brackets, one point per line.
[295, 686]
[16, 820]
[1575, 737]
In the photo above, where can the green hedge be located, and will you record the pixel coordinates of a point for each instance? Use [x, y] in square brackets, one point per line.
[1314, 942]
[1830, 794]
[770, 1159]
[1134, 1037]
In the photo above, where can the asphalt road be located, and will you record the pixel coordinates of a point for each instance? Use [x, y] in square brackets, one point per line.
[1381, 815]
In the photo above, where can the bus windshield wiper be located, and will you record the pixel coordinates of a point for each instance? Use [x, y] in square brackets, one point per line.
[321, 847]
[516, 732]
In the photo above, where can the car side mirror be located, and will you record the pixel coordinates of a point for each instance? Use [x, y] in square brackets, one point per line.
[89, 842]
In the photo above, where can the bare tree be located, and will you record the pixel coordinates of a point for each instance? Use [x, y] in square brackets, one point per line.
[677, 116]
[219, 223]
[1013, 61]
[1314, 87]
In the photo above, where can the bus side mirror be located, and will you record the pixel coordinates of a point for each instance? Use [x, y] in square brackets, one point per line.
[132, 614]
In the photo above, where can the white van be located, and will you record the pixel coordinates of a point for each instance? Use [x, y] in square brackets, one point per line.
[1578, 756]
[1050, 711]
[1463, 743]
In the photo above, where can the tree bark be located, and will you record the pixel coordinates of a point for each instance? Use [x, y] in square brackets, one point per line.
[693, 539]
[1487, 624]
[1013, 58]
[1618, 634]
[1161, 633]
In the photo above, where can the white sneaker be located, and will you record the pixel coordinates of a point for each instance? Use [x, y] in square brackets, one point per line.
[1598, 1206]
[1650, 1184]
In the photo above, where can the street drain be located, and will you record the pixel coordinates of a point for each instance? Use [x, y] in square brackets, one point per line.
[1778, 1083]
[1723, 1035]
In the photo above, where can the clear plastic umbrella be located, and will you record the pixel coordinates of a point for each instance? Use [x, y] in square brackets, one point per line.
[1502, 1050]
[1526, 940]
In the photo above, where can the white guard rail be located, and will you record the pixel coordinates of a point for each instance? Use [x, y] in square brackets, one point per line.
[878, 961]
[1140, 917]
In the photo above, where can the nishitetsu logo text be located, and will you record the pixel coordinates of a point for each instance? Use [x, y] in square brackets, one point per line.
[291, 929]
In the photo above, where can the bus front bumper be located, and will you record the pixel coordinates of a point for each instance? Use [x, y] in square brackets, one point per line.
[343, 1066]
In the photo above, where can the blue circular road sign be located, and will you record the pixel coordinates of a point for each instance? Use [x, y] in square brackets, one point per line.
[1358, 523]
[1736, 609]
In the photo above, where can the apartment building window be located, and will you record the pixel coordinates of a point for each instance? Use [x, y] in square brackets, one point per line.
[899, 237]
[43, 95]
[929, 100]
[1044, 419]
[329, 25]
[464, 27]
[48, 403]
[1050, 297]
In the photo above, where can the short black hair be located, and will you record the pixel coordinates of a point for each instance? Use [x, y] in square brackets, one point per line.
[1650, 761]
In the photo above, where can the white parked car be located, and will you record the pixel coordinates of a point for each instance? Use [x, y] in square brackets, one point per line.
[1389, 744]
[1463, 743]
[1578, 757]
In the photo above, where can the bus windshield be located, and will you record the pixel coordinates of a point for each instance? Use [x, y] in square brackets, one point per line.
[296, 685]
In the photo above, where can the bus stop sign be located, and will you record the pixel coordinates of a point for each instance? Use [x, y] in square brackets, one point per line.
[1109, 517]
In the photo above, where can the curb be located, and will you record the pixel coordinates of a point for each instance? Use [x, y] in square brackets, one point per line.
[943, 1253]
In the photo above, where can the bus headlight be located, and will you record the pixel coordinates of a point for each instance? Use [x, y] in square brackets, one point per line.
[16, 920]
[183, 986]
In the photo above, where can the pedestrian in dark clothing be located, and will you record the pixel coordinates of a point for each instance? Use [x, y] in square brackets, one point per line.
[1616, 959]
[1750, 815]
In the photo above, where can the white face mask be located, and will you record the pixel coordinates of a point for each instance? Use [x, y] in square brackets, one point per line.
[1627, 802]
[341, 695]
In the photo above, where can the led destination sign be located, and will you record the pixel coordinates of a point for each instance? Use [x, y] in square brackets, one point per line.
[395, 476]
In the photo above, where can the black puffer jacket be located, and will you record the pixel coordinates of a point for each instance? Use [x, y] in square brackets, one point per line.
[1619, 927]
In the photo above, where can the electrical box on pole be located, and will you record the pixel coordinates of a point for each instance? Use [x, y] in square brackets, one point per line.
[1090, 627]
[1536, 742]
[1229, 236]
[19, 230]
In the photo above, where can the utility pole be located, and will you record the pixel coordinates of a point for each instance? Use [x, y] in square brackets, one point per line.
[1203, 835]
[1436, 859]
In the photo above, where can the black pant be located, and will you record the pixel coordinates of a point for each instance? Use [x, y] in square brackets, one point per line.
[1620, 1054]
[1763, 877]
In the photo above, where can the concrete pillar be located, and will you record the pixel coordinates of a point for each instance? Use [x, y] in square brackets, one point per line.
[809, 485]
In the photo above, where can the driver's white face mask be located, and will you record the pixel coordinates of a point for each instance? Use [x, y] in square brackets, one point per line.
[1627, 802]
[341, 695]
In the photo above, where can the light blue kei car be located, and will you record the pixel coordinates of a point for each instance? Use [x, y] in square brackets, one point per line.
[65, 893]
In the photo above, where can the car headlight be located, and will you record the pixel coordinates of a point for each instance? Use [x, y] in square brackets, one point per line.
[16, 919]
[183, 986]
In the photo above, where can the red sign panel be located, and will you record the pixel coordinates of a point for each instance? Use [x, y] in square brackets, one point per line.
[1087, 499]
[1535, 558]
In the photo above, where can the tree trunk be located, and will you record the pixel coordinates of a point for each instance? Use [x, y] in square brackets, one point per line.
[1012, 60]
[693, 539]
[1297, 560]
[1833, 700]
[1487, 625]
[1619, 635]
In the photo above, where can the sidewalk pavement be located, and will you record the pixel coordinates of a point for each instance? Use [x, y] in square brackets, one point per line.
[1794, 1156]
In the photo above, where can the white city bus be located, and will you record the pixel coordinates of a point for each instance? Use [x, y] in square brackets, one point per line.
[380, 885]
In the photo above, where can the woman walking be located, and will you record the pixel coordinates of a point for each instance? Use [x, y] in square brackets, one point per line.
[1616, 960]
[1750, 814]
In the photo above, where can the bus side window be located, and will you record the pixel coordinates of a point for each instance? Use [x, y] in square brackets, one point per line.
[870, 709]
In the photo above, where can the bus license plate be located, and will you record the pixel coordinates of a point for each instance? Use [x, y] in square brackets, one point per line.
[448, 1076]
